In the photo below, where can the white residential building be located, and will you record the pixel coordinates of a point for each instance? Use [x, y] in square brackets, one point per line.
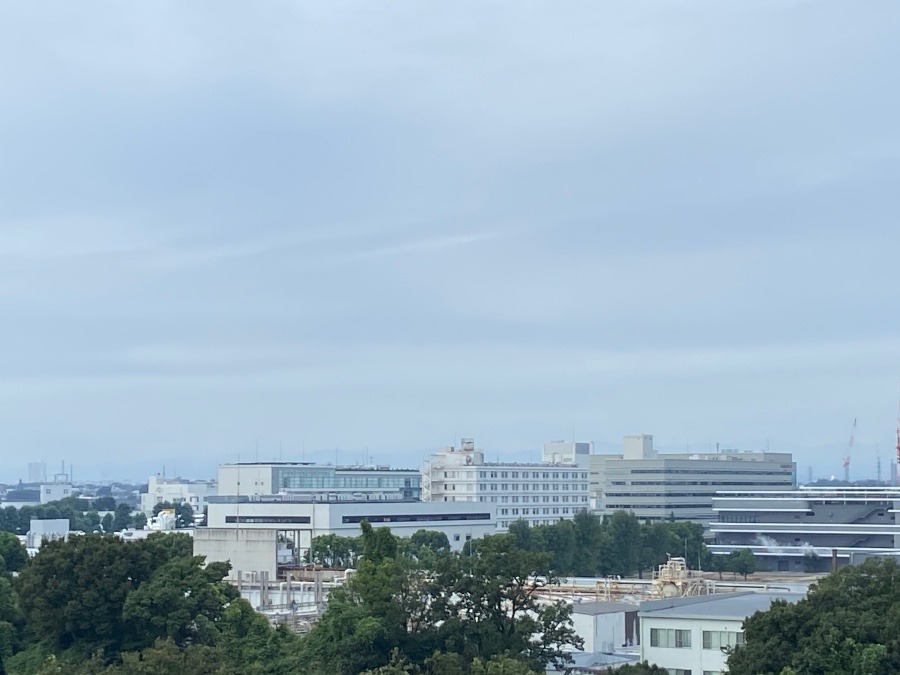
[539, 493]
[689, 635]
[176, 491]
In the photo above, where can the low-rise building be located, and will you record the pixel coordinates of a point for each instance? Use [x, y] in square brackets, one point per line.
[262, 534]
[177, 491]
[691, 635]
[800, 530]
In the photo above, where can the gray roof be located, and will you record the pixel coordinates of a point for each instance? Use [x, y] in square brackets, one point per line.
[595, 608]
[736, 606]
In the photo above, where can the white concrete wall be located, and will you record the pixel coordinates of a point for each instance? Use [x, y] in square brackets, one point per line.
[247, 550]
[328, 518]
[600, 628]
[53, 492]
[254, 480]
[696, 659]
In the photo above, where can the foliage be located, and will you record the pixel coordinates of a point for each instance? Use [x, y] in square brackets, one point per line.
[13, 552]
[638, 669]
[847, 624]
[332, 550]
[617, 545]
[181, 602]
[742, 562]
[468, 612]
[81, 514]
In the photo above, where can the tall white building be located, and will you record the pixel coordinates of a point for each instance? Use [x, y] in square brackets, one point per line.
[540, 493]
[37, 472]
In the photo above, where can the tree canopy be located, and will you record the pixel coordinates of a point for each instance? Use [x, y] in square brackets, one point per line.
[847, 624]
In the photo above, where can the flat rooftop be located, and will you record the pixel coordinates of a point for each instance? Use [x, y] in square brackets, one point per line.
[736, 606]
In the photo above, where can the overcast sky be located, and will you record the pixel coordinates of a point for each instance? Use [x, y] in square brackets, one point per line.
[316, 229]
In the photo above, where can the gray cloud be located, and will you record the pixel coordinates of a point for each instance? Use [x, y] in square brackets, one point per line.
[380, 225]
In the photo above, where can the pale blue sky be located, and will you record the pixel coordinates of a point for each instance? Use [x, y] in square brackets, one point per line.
[384, 225]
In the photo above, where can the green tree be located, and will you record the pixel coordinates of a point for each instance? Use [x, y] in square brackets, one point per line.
[621, 544]
[122, 517]
[181, 602]
[10, 621]
[810, 562]
[107, 523]
[86, 576]
[12, 551]
[437, 542]
[847, 624]
[638, 669]
[333, 550]
[139, 521]
[586, 557]
[742, 562]
[104, 504]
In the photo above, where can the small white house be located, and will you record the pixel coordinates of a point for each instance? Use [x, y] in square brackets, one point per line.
[605, 627]
[691, 635]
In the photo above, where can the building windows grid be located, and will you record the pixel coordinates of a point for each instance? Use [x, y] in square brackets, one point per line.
[670, 638]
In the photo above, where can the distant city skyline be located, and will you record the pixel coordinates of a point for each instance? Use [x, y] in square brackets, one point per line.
[386, 226]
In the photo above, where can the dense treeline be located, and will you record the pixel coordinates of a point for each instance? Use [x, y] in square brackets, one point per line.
[847, 624]
[95, 605]
[83, 515]
[584, 546]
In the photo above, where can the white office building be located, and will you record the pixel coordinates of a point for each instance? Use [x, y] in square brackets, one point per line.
[307, 479]
[540, 493]
[808, 529]
[59, 488]
[176, 491]
[680, 486]
[689, 635]
[268, 533]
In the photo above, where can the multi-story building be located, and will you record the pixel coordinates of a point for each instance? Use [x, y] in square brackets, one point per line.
[691, 635]
[306, 478]
[680, 486]
[59, 488]
[800, 530]
[176, 491]
[539, 493]
[267, 514]
[37, 472]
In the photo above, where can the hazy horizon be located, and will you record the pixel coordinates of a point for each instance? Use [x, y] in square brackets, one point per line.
[378, 227]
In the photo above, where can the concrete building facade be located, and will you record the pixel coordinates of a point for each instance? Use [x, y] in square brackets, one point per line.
[680, 486]
[799, 530]
[306, 478]
[540, 493]
[176, 491]
[688, 635]
[264, 533]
